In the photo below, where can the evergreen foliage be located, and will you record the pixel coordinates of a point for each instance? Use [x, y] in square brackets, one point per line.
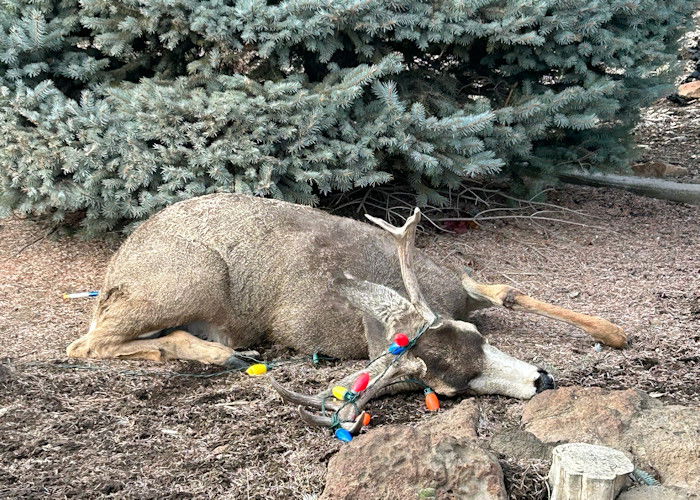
[113, 109]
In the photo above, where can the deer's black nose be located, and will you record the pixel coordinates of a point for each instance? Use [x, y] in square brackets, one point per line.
[544, 382]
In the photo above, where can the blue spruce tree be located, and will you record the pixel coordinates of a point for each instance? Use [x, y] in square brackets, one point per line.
[112, 109]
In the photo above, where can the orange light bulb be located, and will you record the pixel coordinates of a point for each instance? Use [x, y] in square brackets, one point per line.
[432, 403]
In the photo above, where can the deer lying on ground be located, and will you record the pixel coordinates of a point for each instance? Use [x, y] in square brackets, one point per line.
[222, 272]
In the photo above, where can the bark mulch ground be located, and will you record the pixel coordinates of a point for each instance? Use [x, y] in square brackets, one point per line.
[128, 429]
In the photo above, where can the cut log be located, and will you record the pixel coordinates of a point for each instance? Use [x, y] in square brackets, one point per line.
[654, 188]
[582, 471]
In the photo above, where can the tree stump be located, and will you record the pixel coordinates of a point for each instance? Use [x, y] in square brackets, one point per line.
[582, 471]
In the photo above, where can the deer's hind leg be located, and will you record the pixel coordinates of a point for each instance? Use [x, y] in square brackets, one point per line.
[159, 285]
[125, 323]
[176, 345]
[101, 342]
[600, 329]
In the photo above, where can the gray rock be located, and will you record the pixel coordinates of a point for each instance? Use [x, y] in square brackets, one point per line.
[521, 445]
[655, 493]
[660, 438]
[440, 458]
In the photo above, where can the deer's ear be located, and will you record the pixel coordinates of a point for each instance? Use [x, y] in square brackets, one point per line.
[377, 334]
[377, 301]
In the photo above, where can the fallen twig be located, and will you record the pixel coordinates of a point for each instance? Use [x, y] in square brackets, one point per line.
[396, 203]
[37, 240]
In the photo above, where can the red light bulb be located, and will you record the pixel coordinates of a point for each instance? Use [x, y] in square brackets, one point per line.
[361, 383]
[401, 339]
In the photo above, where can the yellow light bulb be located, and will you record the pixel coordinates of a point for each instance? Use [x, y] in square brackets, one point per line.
[339, 392]
[257, 369]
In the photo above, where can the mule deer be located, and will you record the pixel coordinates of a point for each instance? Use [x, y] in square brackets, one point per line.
[224, 271]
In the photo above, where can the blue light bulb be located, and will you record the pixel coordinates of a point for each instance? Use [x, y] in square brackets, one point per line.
[396, 349]
[343, 434]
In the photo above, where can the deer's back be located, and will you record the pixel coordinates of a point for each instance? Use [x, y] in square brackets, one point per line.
[267, 267]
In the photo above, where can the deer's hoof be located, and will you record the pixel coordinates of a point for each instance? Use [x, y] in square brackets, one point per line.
[236, 363]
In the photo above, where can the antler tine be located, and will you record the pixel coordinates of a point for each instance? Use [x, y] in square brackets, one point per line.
[355, 426]
[323, 421]
[302, 399]
[395, 375]
[405, 237]
[350, 416]
[313, 419]
[377, 387]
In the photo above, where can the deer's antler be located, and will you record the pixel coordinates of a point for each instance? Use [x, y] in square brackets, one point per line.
[324, 421]
[348, 415]
[405, 238]
[306, 400]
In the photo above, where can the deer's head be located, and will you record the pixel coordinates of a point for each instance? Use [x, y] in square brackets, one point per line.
[447, 355]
